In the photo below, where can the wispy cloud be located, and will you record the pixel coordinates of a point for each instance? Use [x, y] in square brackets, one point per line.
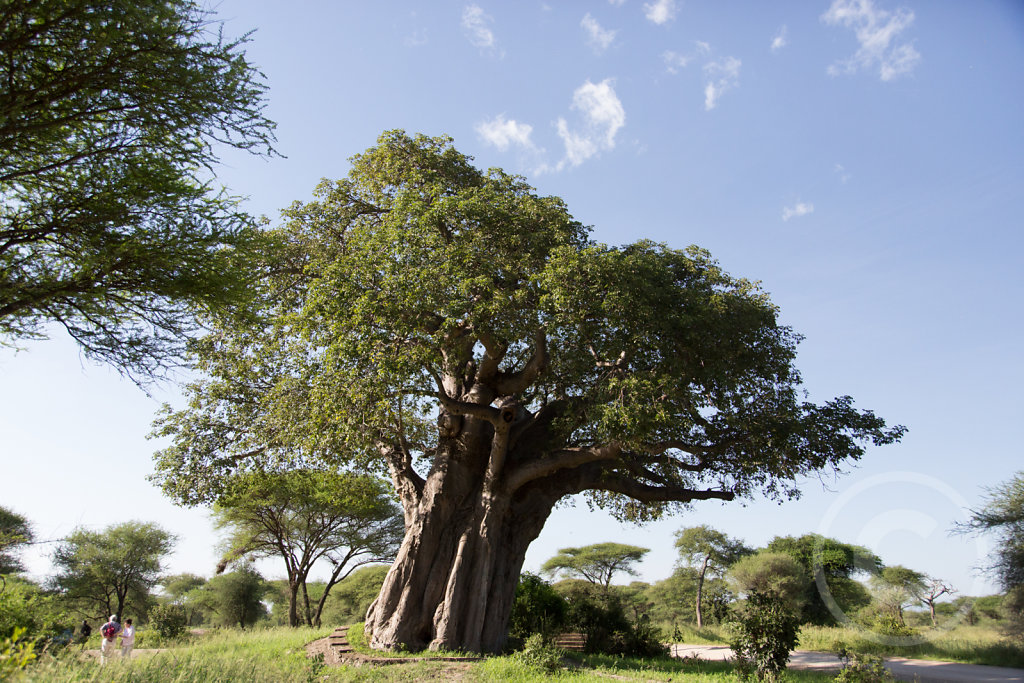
[674, 61]
[616, 2]
[476, 24]
[779, 41]
[721, 77]
[660, 11]
[800, 209]
[841, 172]
[501, 132]
[877, 32]
[603, 117]
[418, 38]
[597, 37]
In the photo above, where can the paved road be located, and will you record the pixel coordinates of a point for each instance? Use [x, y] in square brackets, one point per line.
[925, 671]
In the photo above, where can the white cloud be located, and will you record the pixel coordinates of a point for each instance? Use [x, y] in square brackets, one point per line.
[702, 47]
[603, 117]
[599, 38]
[660, 11]
[417, 39]
[779, 41]
[476, 25]
[502, 133]
[841, 172]
[877, 31]
[800, 209]
[616, 2]
[674, 61]
[721, 77]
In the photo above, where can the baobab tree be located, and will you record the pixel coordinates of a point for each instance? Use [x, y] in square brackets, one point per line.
[452, 327]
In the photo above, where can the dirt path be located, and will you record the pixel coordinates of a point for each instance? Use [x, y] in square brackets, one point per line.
[926, 671]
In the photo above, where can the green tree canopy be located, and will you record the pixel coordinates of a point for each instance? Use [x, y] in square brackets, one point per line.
[305, 516]
[710, 552]
[596, 563]
[182, 590]
[453, 327]
[235, 598]
[773, 574]
[111, 116]
[829, 565]
[105, 571]
[352, 596]
[15, 534]
[898, 587]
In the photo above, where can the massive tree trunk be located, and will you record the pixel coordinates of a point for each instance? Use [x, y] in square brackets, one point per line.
[453, 582]
[467, 531]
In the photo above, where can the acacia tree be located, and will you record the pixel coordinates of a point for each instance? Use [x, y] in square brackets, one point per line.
[829, 566]
[710, 549]
[461, 331]
[596, 563]
[15, 533]
[898, 587]
[931, 592]
[303, 517]
[103, 569]
[111, 114]
[1003, 515]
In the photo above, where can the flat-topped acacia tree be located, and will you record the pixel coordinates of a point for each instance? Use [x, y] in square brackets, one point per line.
[453, 327]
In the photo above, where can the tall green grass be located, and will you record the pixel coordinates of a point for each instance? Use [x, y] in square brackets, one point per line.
[278, 656]
[967, 644]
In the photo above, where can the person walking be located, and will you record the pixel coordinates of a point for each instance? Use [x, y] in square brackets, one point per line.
[109, 631]
[127, 637]
[85, 631]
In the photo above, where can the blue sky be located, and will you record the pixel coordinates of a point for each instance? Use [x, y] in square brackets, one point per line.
[863, 160]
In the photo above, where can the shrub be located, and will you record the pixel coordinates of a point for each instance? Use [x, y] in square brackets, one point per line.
[889, 625]
[168, 619]
[537, 654]
[764, 634]
[1013, 606]
[859, 667]
[16, 652]
[538, 609]
[603, 619]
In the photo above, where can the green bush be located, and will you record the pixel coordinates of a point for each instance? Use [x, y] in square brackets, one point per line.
[537, 654]
[889, 625]
[537, 609]
[24, 605]
[168, 620]
[765, 632]
[602, 618]
[16, 652]
[859, 667]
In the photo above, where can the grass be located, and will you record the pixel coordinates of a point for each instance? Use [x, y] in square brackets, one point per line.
[970, 645]
[277, 655]
[966, 644]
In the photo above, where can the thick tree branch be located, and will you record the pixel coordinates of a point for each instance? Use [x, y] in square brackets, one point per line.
[560, 460]
[483, 412]
[517, 382]
[646, 493]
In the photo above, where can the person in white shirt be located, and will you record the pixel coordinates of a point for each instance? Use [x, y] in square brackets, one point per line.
[127, 637]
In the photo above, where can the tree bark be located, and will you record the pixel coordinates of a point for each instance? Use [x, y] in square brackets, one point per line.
[700, 590]
[454, 579]
[293, 602]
